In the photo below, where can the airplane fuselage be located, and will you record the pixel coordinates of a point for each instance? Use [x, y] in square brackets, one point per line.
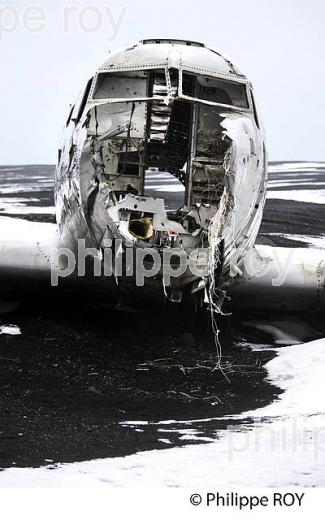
[166, 106]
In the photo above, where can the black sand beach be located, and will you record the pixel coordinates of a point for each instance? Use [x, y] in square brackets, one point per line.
[80, 380]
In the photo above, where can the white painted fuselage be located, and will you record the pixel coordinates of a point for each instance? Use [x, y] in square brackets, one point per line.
[173, 106]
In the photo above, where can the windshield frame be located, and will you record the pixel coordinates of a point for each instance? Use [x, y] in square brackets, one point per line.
[236, 108]
[179, 95]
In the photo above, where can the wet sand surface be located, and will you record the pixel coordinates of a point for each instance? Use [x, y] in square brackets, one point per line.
[85, 381]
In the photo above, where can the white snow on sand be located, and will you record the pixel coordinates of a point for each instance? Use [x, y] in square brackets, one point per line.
[313, 196]
[24, 230]
[296, 166]
[22, 209]
[11, 330]
[21, 206]
[294, 182]
[311, 240]
[162, 178]
[281, 444]
[11, 169]
[163, 182]
[177, 188]
[46, 185]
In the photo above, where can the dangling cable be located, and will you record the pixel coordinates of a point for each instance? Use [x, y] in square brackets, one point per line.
[128, 139]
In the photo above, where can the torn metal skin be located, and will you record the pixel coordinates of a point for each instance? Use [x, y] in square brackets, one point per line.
[181, 108]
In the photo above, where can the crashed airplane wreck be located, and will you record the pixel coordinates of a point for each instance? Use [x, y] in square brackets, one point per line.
[177, 107]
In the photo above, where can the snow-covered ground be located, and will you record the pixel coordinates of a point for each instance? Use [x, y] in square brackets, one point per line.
[23, 209]
[300, 182]
[310, 196]
[280, 444]
[17, 184]
[11, 330]
[312, 241]
[10, 228]
[295, 166]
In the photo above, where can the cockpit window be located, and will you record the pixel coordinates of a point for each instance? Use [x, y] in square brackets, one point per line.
[255, 111]
[117, 85]
[215, 90]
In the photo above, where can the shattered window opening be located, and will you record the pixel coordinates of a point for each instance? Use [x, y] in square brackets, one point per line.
[212, 146]
[110, 121]
[215, 90]
[118, 85]
[132, 136]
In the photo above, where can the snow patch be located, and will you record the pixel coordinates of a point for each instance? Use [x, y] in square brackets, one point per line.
[11, 330]
[312, 196]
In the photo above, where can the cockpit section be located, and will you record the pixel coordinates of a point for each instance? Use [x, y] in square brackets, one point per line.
[160, 120]
[165, 119]
[163, 149]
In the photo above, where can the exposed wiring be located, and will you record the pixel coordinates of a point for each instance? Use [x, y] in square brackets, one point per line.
[128, 139]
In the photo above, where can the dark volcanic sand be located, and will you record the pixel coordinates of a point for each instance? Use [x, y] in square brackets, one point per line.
[73, 376]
